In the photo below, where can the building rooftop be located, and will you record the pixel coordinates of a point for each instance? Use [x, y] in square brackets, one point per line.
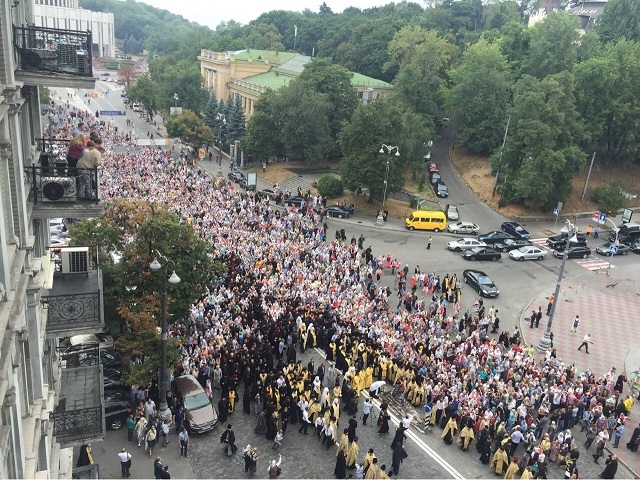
[272, 79]
[276, 58]
[295, 65]
[359, 80]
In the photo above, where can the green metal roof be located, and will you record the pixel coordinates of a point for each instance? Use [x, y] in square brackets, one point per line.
[276, 58]
[359, 80]
[273, 80]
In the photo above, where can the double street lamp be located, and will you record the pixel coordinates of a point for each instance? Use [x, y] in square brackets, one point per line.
[545, 341]
[167, 265]
[386, 149]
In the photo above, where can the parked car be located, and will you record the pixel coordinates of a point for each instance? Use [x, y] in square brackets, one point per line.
[272, 193]
[463, 227]
[441, 190]
[509, 244]
[452, 212]
[574, 252]
[626, 233]
[493, 237]
[103, 340]
[295, 201]
[623, 249]
[515, 230]
[559, 241]
[435, 178]
[464, 244]
[58, 243]
[481, 253]
[529, 252]
[432, 167]
[635, 247]
[116, 412]
[336, 211]
[480, 282]
[199, 413]
[236, 177]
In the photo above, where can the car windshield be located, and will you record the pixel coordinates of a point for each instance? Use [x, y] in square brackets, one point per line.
[193, 402]
[485, 281]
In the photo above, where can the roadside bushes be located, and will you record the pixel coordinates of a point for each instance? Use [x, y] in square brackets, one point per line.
[330, 186]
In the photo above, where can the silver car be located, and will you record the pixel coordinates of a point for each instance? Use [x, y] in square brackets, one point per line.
[528, 253]
[464, 244]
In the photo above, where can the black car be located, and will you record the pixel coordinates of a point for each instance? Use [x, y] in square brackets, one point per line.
[481, 253]
[336, 211]
[480, 282]
[493, 237]
[441, 190]
[574, 252]
[116, 413]
[295, 201]
[111, 376]
[511, 244]
[635, 247]
[236, 177]
[560, 241]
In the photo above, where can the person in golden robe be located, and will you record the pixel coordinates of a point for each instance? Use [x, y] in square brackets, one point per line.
[466, 437]
[499, 461]
[232, 400]
[352, 453]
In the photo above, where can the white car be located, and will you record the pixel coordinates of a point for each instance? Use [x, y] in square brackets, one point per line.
[452, 212]
[463, 227]
[528, 253]
[464, 244]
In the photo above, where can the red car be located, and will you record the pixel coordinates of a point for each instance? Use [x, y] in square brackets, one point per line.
[433, 167]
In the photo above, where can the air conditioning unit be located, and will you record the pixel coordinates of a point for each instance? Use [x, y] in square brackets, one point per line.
[58, 188]
[75, 260]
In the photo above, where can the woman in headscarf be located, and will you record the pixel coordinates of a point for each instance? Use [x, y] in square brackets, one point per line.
[325, 399]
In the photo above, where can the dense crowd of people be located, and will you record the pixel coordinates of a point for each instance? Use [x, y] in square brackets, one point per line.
[288, 288]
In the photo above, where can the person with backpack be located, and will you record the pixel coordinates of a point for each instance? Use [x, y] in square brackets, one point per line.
[274, 468]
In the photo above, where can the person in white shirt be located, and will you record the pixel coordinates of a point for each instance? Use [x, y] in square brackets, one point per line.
[366, 410]
[125, 462]
[406, 421]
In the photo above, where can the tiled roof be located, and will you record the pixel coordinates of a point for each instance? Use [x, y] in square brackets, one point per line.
[276, 58]
[359, 80]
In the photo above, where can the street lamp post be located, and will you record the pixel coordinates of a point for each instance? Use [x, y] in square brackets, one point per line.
[615, 244]
[163, 410]
[386, 149]
[545, 341]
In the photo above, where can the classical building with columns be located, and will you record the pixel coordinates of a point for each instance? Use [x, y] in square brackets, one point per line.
[50, 399]
[249, 73]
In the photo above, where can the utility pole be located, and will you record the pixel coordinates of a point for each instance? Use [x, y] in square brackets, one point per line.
[504, 140]
[586, 182]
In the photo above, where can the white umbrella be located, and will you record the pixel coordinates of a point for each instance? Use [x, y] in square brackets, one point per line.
[376, 385]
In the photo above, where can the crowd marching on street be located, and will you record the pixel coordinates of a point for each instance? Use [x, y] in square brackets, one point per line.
[288, 288]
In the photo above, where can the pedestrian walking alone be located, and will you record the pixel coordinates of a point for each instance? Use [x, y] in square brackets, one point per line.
[585, 343]
[429, 242]
[574, 326]
[125, 462]
[131, 426]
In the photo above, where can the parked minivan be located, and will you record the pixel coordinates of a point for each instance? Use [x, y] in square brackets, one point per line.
[426, 220]
[627, 233]
[200, 416]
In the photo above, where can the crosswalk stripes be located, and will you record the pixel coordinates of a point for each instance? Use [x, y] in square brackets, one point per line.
[293, 183]
[592, 262]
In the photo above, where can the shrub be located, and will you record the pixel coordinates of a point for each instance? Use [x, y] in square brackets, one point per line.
[330, 186]
[609, 197]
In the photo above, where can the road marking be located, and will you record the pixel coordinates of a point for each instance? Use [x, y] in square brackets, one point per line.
[419, 442]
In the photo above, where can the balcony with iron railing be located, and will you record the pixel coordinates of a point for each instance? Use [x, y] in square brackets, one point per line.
[78, 417]
[74, 304]
[53, 57]
[56, 190]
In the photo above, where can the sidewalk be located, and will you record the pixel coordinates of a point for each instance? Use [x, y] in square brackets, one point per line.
[608, 308]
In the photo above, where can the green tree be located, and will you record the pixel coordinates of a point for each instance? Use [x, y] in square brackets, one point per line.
[144, 91]
[541, 155]
[480, 96]
[306, 132]
[265, 37]
[334, 83]
[211, 111]
[172, 75]
[236, 126]
[360, 140]
[620, 19]
[264, 128]
[607, 99]
[496, 15]
[554, 45]
[189, 128]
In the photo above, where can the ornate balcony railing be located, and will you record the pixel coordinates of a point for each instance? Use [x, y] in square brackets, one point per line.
[77, 425]
[72, 312]
[57, 183]
[41, 49]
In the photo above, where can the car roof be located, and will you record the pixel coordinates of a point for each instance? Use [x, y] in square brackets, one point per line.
[480, 273]
[188, 384]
